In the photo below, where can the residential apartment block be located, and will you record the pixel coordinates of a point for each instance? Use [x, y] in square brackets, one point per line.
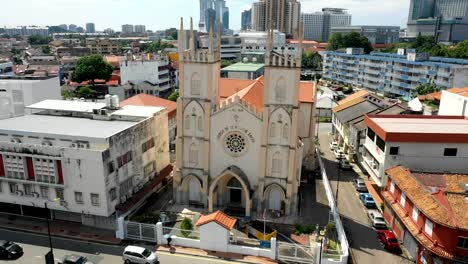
[92, 156]
[418, 142]
[427, 211]
[16, 92]
[284, 15]
[395, 75]
[27, 31]
[103, 46]
[375, 34]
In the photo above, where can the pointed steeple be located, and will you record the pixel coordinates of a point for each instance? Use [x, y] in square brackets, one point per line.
[218, 36]
[210, 45]
[192, 37]
[181, 36]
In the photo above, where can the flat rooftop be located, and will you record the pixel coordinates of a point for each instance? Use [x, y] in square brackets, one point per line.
[63, 126]
[419, 128]
[244, 67]
[67, 105]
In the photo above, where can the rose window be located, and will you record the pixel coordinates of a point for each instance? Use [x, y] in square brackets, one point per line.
[235, 143]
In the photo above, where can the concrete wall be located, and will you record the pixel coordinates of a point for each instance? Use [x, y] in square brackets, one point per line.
[453, 104]
[214, 237]
[140, 71]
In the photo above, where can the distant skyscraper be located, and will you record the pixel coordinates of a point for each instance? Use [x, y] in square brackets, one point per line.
[72, 27]
[140, 28]
[221, 12]
[246, 22]
[317, 26]
[447, 20]
[90, 28]
[127, 28]
[285, 15]
[63, 26]
[80, 30]
[210, 19]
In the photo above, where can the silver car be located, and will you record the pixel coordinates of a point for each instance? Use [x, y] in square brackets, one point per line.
[376, 219]
[359, 185]
[139, 255]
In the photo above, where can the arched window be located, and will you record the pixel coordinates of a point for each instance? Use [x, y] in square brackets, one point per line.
[193, 154]
[195, 84]
[286, 131]
[234, 183]
[200, 123]
[276, 163]
[187, 122]
[272, 129]
[280, 90]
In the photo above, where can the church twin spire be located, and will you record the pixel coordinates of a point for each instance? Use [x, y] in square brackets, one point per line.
[193, 54]
[276, 59]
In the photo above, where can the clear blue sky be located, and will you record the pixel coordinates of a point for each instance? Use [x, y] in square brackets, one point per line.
[162, 14]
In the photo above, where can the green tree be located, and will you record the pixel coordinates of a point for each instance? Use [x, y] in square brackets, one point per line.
[46, 49]
[85, 92]
[225, 63]
[67, 94]
[351, 40]
[174, 96]
[174, 35]
[427, 88]
[90, 68]
[39, 40]
[186, 226]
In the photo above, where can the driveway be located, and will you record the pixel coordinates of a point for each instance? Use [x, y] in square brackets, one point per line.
[365, 248]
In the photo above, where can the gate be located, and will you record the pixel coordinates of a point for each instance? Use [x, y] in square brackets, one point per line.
[139, 231]
[295, 253]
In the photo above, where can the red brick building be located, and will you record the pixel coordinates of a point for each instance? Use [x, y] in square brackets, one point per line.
[429, 213]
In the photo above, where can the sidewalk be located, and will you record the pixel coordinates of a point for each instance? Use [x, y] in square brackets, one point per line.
[218, 255]
[59, 228]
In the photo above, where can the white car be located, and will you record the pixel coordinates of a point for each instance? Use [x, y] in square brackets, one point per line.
[338, 153]
[333, 145]
[376, 219]
[139, 255]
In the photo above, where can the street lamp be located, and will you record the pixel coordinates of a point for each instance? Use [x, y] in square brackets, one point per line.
[49, 257]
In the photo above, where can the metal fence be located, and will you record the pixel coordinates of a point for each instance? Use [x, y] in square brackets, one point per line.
[139, 231]
[295, 253]
[192, 234]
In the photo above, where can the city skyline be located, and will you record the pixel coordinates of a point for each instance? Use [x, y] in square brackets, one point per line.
[111, 13]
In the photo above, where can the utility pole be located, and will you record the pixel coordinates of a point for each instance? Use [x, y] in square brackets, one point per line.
[49, 257]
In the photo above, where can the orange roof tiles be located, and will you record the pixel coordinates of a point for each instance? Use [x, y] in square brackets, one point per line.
[252, 91]
[348, 104]
[355, 95]
[218, 217]
[150, 100]
[459, 91]
[452, 212]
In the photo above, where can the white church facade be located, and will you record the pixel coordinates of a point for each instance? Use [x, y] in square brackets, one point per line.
[242, 144]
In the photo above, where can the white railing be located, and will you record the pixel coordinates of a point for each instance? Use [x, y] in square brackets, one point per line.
[335, 213]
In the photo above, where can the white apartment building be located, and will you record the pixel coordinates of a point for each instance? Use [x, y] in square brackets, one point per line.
[317, 25]
[92, 156]
[149, 75]
[417, 142]
[16, 92]
[454, 102]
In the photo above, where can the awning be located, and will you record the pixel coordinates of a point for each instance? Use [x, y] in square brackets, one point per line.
[374, 191]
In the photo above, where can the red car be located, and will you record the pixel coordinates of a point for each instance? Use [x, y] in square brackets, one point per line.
[389, 240]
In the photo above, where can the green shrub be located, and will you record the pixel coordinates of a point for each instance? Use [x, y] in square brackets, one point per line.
[186, 226]
[148, 218]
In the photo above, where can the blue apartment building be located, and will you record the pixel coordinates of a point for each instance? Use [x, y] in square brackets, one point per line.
[393, 74]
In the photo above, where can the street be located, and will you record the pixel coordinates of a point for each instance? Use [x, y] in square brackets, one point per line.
[36, 246]
[365, 248]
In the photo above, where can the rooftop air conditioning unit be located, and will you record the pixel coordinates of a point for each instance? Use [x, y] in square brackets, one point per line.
[15, 140]
[19, 193]
[73, 145]
[35, 195]
[63, 203]
[46, 143]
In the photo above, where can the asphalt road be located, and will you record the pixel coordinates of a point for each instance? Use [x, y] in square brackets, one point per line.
[365, 248]
[36, 246]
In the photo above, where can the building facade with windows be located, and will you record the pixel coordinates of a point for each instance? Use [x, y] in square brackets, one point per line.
[103, 46]
[375, 34]
[318, 25]
[284, 15]
[91, 156]
[418, 142]
[395, 75]
[454, 102]
[427, 212]
[241, 144]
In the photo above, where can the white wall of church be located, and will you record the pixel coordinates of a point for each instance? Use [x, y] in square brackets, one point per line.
[222, 124]
[282, 84]
[196, 80]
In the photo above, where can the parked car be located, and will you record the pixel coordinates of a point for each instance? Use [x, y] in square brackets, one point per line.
[359, 185]
[338, 153]
[139, 255]
[10, 250]
[75, 259]
[333, 145]
[376, 219]
[344, 164]
[367, 200]
[389, 241]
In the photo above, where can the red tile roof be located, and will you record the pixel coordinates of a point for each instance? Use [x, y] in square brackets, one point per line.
[150, 100]
[459, 91]
[218, 217]
[252, 91]
[355, 95]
